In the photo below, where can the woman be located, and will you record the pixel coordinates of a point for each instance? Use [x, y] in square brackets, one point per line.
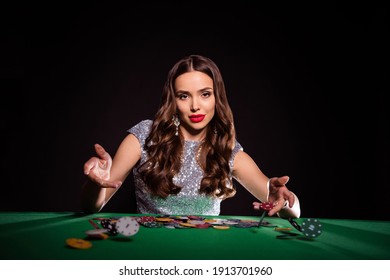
[185, 159]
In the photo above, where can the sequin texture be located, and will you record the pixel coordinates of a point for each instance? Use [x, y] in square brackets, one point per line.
[188, 201]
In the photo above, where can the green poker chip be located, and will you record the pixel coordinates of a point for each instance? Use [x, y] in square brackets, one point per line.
[311, 228]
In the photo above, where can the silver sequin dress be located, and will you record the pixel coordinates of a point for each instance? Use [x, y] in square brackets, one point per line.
[188, 201]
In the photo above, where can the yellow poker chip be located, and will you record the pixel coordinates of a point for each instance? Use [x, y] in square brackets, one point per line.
[249, 221]
[282, 229]
[101, 236]
[78, 243]
[221, 227]
[210, 221]
[187, 225]
[164, 220]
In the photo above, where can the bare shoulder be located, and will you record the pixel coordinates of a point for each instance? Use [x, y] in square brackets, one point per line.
[130, 145]
[131, 139]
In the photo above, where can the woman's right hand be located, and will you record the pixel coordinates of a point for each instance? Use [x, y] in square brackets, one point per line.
[98, 169]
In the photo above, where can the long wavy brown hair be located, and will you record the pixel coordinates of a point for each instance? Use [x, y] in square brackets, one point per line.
[164, 148]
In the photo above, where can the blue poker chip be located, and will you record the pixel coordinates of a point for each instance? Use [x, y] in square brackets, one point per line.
[311, 228]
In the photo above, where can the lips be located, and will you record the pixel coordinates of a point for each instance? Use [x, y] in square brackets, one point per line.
[196, 118]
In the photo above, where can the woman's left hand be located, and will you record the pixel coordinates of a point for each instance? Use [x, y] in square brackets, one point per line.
[279, 195]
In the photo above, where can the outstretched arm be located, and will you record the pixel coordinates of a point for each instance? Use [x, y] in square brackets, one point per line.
[105, 175]
[249, 175]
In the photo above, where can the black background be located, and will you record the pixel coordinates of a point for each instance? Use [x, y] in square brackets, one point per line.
[306, 85]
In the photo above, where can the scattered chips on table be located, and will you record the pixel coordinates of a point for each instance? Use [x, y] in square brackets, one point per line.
[129, 226]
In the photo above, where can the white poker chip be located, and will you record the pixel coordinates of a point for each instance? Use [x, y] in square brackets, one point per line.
[219, 221]
[196, 222]
[230, 223]
[127, 226]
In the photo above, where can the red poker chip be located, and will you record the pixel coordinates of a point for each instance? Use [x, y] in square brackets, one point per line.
[266, 206]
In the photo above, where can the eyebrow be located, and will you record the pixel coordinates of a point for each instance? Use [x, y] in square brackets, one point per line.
[203, 89]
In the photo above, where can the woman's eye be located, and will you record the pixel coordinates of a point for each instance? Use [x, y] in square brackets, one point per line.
[183, 96]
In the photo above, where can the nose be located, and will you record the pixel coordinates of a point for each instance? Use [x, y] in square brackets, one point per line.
[194, 105]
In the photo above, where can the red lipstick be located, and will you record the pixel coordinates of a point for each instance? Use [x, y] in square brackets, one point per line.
[197, 118]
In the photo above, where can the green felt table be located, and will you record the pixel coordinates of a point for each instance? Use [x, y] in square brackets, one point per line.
[42, 235]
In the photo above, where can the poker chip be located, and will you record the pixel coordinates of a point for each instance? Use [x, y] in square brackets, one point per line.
[311, 228]
[221, 227]
[266, 206]
[187, 225]
[127, 226]
[181, 218]
[268, 224]
[97, 233]
[294, 224]
[164, 219]
[196, 222]
[152, 224]
[109, 224]
[235, 220]
[219, 221]
[205, 225]
[194, 217]
[179, 226]
[78, 243]
[283, 229]
[230, 222]
[169, 225]
[105, 223]
[146, 219]
[99, 218]
[245, 225]
[95, 225]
